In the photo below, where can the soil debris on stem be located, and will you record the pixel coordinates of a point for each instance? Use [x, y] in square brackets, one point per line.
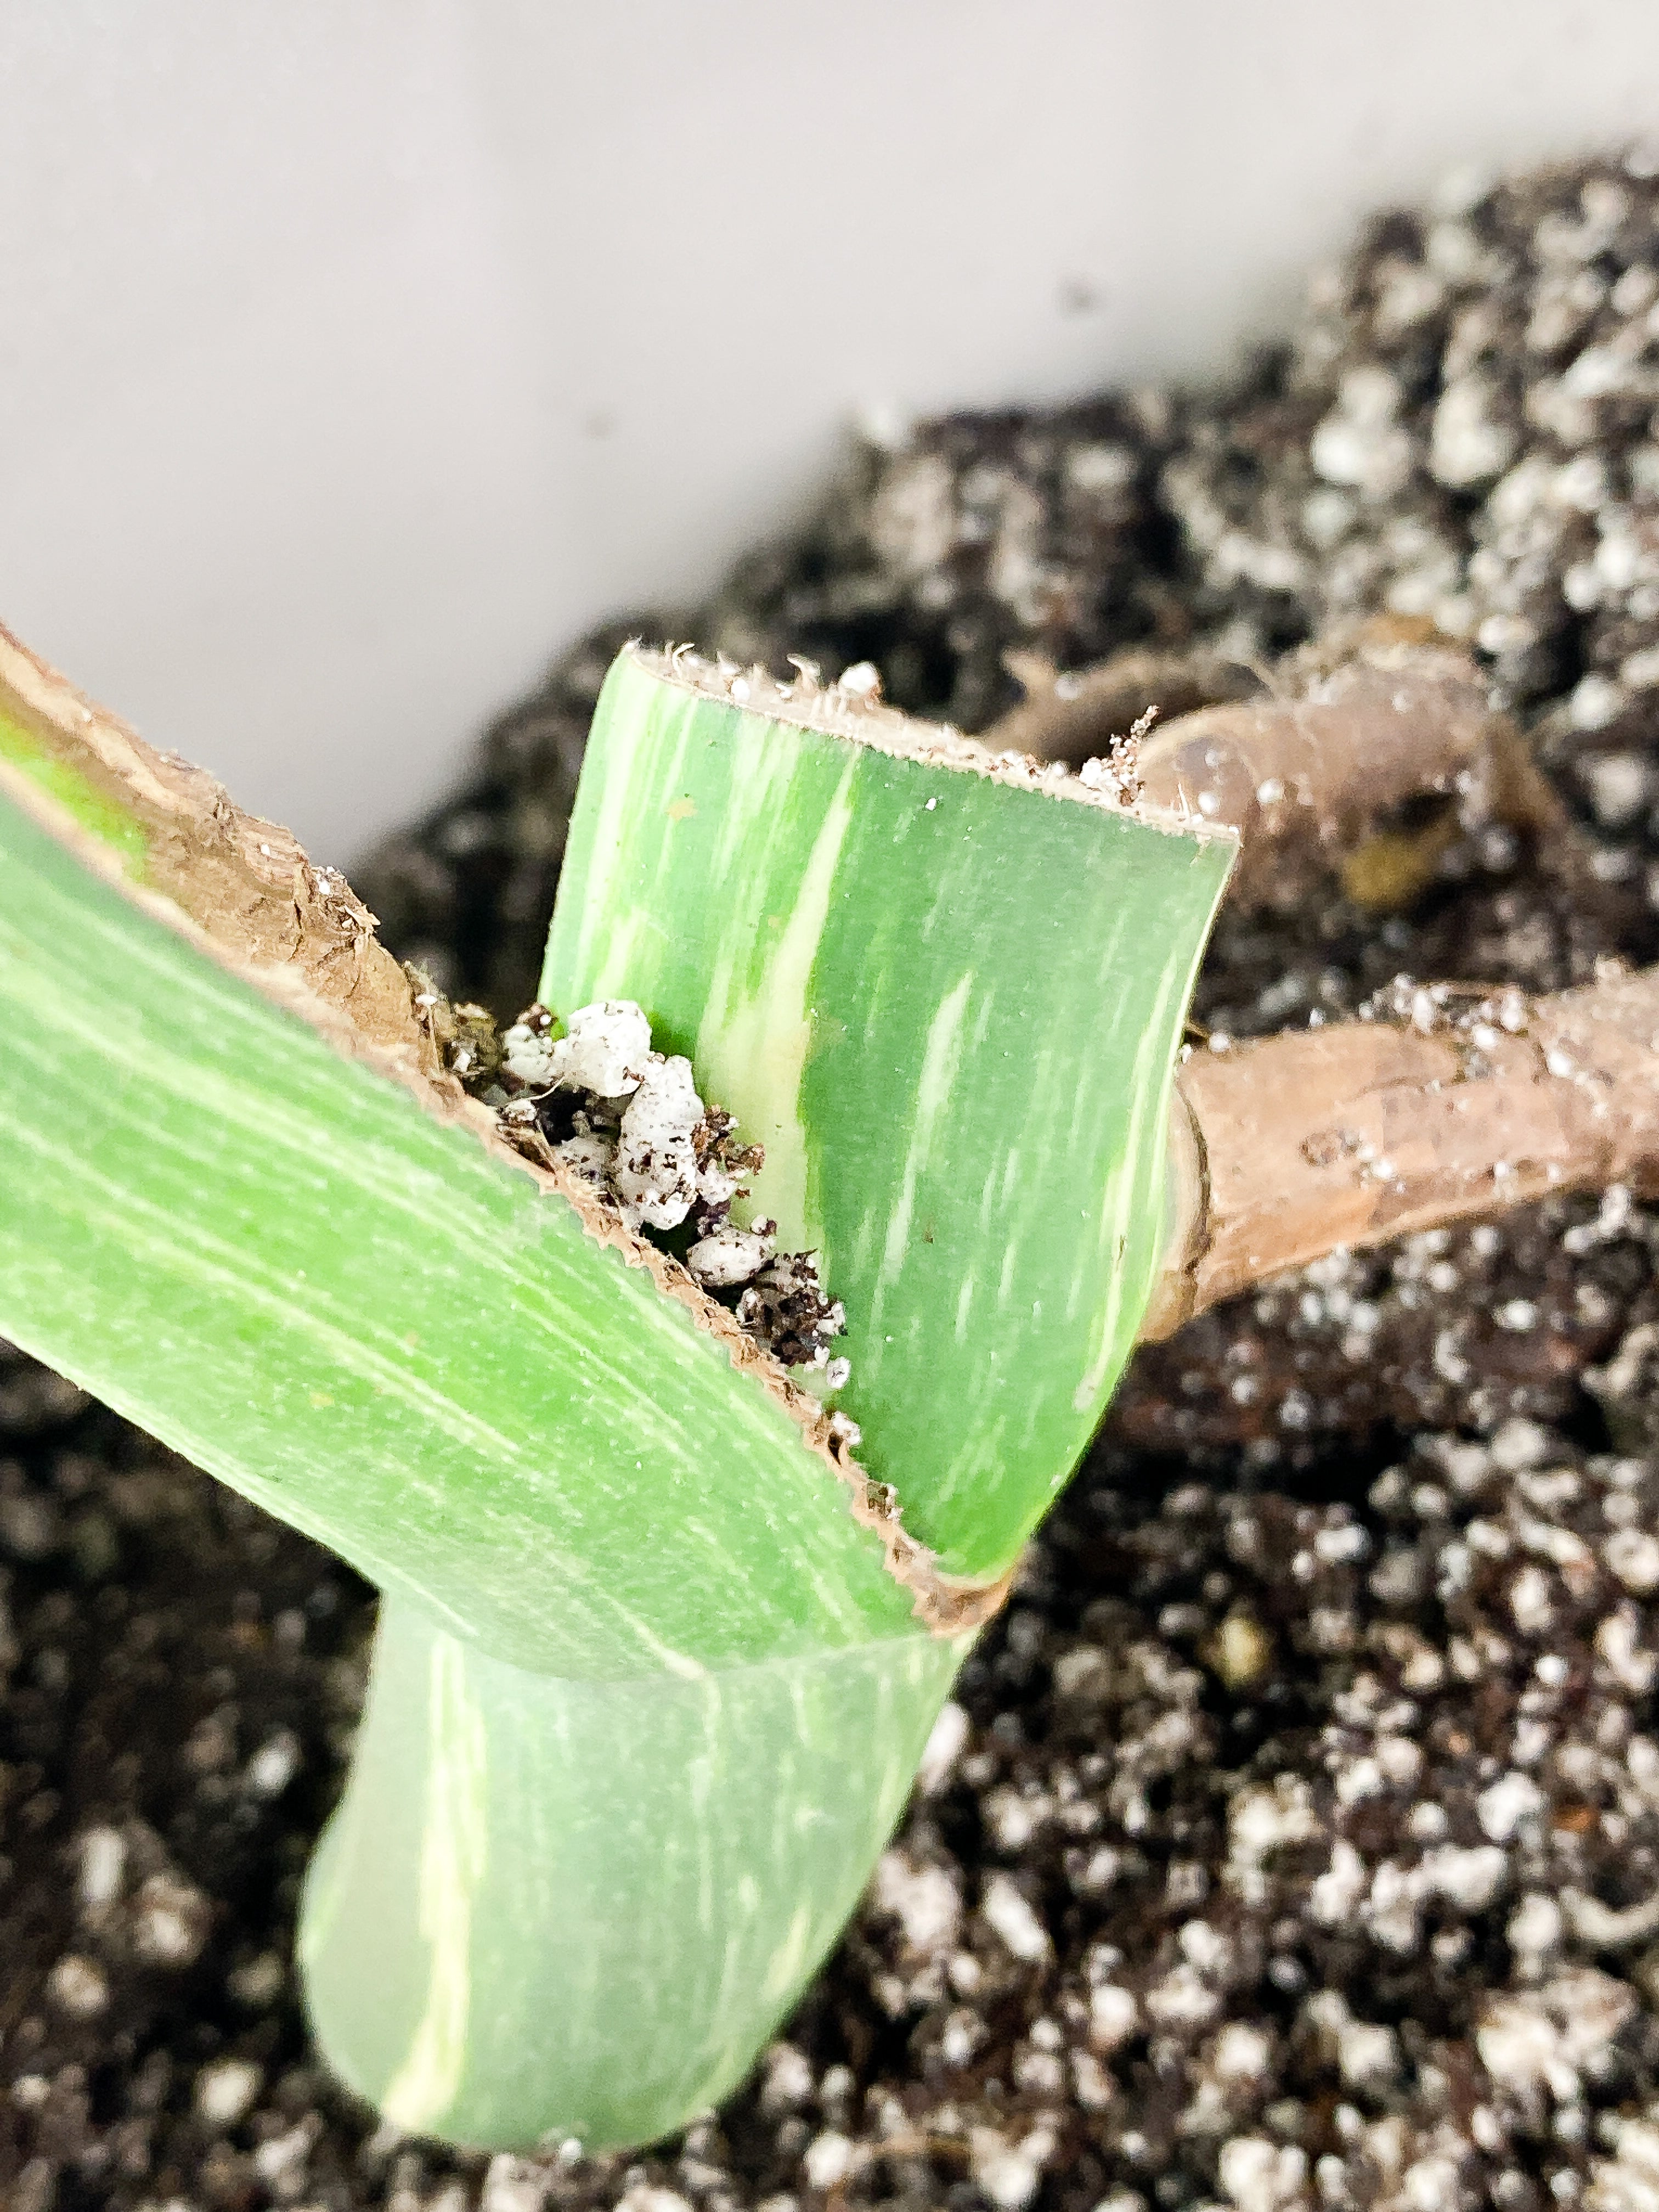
[592, 1092]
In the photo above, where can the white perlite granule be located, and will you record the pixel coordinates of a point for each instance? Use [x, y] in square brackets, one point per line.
[631, 1123]
[1008, 1913]
[103, 1861]
[728, 1256]
[926, 1900]
[655, 1175]
[605, 1050]
[226, 2090]
[77, 1986]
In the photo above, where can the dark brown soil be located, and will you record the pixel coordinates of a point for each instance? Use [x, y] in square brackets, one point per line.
[1297, 1842]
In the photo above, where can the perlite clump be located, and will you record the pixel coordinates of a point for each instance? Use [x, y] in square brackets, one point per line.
[593, 1094]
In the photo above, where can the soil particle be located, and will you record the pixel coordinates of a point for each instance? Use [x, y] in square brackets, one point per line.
[786, 1307]
[595, 1095]
[1292, 1841]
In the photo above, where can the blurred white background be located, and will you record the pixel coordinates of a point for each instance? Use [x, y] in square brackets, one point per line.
[356, 353]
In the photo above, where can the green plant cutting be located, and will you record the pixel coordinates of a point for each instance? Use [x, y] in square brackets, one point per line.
[688, 1364]
[666, 1622]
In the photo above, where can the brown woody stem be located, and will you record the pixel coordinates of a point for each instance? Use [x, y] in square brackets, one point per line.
[1069, 716]
[1293, 1146]
[1310, 781]
[1311, 771]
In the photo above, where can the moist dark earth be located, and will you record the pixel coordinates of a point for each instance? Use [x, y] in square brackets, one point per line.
[1293, 1841]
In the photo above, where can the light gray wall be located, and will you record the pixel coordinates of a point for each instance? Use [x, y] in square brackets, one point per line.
[355, 352]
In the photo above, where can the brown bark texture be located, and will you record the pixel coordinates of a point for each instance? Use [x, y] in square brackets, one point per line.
[1315, 769]
[1291, 1146]
[1074, 715]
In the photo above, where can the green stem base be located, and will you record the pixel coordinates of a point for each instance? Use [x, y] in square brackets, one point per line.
[548, 1908]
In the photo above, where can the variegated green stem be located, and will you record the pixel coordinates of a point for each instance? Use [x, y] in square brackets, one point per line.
[649, 1692]
[549, 1908]
[948, 1001]
[946, 994]
[949, 1005]
[267, 1253]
